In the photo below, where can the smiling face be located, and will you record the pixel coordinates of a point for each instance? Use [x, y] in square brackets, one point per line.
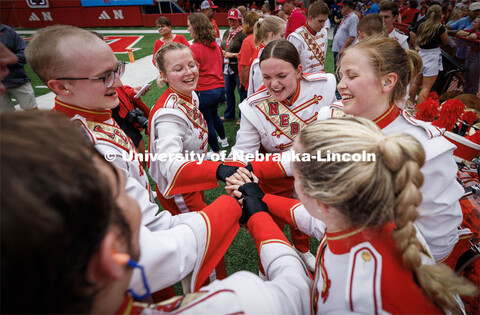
[164, 30]
[317, 23]
[181, 71]
[361, 89]
[92, 59]
[280, 77]
[233, 23]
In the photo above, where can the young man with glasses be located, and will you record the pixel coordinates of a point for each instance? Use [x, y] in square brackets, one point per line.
[83, 72]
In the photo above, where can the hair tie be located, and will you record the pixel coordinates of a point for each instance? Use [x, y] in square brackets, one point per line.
[260, 20]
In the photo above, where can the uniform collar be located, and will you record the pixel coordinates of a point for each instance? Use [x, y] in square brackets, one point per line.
[310, 29]
[388, 117]
[126, 306]
[341, 242]
[185, 97]
[293, 99]
[89, 114]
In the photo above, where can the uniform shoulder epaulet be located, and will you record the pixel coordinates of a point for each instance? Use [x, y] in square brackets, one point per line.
[431, 131]
[261, 95]
[400, 32]
[365, 266]
[314, 76]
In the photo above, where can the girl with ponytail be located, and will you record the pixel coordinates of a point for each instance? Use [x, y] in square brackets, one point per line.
[265, 30]
[372, 260]
[429, 35]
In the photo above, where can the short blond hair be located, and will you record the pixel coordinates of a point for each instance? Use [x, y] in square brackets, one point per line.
[43, 54]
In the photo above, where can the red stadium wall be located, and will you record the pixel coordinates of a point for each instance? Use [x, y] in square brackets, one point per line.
[16, 13]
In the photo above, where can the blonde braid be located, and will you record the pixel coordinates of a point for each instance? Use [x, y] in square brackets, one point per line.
[404, 158]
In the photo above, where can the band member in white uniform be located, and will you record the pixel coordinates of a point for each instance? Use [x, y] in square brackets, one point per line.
[265, 30]
[388, 11]
[86, 91]
[373, 94]
[273, 116]
[364, 201]
[311, 39]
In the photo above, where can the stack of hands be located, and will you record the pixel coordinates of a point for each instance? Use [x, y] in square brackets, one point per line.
[242, 184]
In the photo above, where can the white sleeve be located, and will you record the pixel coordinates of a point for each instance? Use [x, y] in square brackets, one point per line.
[248, 138]
[168, 256]
[286, 292]
[309, 225]
[170, 131]
[440, 211]
[295, 41]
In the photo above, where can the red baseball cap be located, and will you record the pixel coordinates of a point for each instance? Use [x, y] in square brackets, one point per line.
[281, 1]
[234, 14]
[208, 4]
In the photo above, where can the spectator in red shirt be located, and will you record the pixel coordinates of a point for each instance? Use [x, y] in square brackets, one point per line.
[296, 17]
[164, 27]
[248, 48]
[409, 14]
[211, 84]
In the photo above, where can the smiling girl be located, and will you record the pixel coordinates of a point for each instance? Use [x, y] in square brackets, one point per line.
[374, 75]
[179, 131]
[275, 114]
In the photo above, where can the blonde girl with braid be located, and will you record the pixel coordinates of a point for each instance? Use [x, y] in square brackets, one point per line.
[429, 35]
[372, 259]
[374, 76]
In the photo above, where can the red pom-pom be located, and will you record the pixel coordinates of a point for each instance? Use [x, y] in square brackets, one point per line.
[450, 112]
[475, 137]
[469, 117]
[433, 95]
[428, 110]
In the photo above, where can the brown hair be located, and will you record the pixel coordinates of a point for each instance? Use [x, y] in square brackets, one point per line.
[163, 20]
[56, 210]
[370, 25]
[317, 8]
[249, 22]
[387, 56]
[388, 5]
[203, 31]
[372, 193]
[281, 49]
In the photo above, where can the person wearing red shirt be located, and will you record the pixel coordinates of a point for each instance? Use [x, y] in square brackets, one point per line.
[248, 48]
[164, 27]
[296, 17]
[211, 84]
[409, 14]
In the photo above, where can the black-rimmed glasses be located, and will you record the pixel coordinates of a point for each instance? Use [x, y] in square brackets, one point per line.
[108, 78]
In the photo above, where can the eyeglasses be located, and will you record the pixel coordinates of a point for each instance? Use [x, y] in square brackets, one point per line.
[108, 78]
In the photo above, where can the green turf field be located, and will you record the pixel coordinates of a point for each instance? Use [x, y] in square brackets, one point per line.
[242, 253]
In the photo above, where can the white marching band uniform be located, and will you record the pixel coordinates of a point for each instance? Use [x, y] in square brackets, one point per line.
[357, 270]
[255, 78]
[401, 38]
[172, 246]
[287, 290]
[440, 211]
[177, 127]
[311, 46]
[274, 125]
